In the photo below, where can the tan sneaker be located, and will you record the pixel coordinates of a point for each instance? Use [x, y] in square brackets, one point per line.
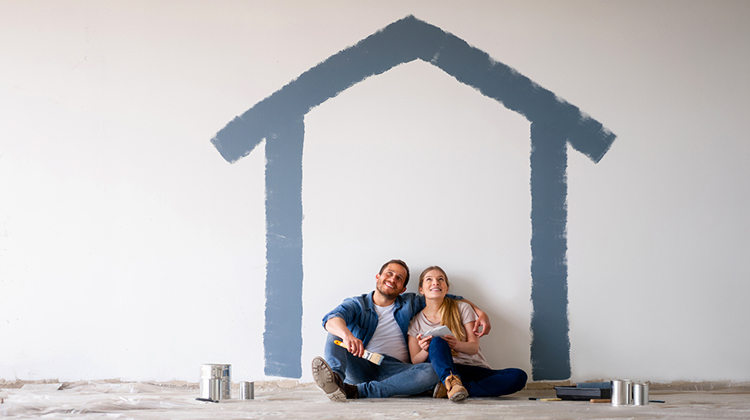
[456, 390]
[440, 391]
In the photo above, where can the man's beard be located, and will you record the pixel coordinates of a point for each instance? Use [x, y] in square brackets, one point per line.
[390, 294]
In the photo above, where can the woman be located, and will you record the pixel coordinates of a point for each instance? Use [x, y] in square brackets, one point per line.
[456, 358]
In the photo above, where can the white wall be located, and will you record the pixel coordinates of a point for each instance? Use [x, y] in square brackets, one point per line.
[130, 249]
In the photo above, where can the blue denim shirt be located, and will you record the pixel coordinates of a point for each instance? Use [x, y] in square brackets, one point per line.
[361, 318]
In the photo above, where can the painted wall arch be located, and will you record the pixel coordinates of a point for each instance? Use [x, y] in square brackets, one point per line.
[280, 120]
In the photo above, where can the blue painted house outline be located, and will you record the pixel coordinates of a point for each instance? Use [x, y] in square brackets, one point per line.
[279, 119]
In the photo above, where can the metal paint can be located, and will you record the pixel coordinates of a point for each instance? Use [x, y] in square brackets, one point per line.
[210, 389]
[640, 394]
[622, 392]
[222, 373]
[247, 390]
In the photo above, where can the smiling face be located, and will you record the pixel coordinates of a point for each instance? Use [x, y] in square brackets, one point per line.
[433, 283]
[391, 281]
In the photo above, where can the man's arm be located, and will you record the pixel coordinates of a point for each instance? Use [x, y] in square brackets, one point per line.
[337, 326]
[483, 321]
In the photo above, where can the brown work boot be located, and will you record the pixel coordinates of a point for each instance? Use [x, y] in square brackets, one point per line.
[330, 382]
[456, 390]
[440, 391]
[351, 391]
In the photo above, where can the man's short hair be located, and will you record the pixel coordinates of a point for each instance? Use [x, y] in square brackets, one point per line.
[402, 264]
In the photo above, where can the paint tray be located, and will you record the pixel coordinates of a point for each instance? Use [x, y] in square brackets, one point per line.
[582, 394]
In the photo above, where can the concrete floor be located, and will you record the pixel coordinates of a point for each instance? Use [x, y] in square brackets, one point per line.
[289, 400]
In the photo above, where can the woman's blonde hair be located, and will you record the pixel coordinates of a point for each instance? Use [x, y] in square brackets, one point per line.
[449, 313]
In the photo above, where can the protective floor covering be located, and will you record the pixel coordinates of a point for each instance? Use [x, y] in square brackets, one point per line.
[289, 400]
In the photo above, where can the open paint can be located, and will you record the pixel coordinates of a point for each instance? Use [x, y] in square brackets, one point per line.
[622, 392]
[210, 389]
[640, 394]
[216, 382]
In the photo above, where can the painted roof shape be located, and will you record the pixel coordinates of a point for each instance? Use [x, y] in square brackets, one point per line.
[401, 42]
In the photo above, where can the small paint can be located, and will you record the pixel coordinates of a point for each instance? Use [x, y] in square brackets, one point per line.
[640, 394]
[622, 392]
[247, 390]
[212, 373]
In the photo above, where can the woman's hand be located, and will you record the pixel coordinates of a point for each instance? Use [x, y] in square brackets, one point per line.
[451, 340]
[424, 342]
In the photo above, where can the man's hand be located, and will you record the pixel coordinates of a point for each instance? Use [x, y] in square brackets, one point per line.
[354, 345]
[482, 327]
[337, 327]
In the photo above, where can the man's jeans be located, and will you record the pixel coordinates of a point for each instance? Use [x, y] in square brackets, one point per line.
[478, 380]
[392, 377]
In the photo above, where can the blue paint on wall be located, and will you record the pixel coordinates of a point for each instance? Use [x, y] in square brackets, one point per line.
[550, 345]
[279, 119]
[284, 251]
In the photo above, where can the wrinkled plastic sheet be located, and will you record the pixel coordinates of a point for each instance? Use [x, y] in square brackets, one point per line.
[84, 398]
[290, 400]
[96, 400]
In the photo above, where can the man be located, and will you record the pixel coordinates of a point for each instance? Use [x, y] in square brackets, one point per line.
[378, 321]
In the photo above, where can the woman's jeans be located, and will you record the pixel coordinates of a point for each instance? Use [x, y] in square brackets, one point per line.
[479, 381]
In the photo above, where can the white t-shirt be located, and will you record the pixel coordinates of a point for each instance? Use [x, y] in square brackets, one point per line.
[388, 338]
[420, 324]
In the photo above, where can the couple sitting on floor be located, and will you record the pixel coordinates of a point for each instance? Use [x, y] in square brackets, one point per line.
[391, 323]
